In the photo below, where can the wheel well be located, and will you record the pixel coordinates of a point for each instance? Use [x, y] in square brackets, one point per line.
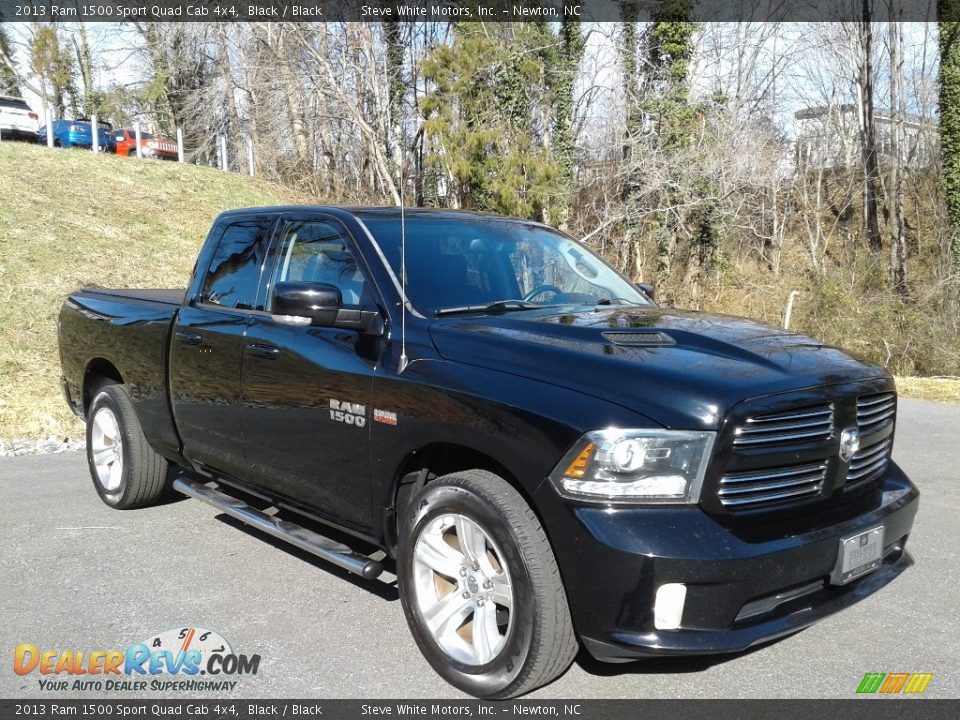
[430, 462]
[99, 372]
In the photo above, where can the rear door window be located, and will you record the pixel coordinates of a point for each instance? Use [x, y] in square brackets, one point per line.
[14, 103]
[233, 277]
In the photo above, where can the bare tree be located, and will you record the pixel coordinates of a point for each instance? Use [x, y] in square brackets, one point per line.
[898, 244]
[862, 39]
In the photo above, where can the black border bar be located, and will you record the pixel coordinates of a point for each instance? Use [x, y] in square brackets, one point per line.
[872, 708]
[466, 10]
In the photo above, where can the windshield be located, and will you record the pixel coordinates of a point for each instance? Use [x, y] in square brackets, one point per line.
[461, 262]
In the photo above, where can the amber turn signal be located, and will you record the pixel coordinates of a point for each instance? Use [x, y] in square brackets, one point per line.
[578, 467]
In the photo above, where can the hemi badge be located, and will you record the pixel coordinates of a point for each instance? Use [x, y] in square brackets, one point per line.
[384, 416]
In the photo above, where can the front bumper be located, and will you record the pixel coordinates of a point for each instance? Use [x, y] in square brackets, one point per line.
[157, 154]
[738, 593]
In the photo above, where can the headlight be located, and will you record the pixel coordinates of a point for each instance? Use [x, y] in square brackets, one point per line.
[635, 466]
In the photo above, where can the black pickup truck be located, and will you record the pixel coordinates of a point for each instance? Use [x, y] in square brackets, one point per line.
[544, 456]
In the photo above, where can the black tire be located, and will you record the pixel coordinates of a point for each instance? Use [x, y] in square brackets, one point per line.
[140, 480]
[538, 644]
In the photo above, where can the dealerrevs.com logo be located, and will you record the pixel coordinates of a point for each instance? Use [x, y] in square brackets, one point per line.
[190, 659]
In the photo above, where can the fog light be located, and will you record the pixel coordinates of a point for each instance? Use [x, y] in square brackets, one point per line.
[668, 608]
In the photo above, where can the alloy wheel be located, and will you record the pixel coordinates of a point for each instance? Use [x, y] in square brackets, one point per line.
[463, 589]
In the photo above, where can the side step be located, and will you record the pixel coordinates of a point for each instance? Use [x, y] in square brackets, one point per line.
[314, 543]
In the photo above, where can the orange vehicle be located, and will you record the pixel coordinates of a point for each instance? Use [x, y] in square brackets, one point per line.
[150, 146]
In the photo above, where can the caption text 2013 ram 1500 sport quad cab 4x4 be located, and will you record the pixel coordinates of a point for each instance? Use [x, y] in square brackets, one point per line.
[547, 454]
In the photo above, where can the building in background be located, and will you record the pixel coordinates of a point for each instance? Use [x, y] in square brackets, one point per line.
[828, 137]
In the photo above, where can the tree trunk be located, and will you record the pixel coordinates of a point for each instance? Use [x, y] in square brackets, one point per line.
[396, 91]
[633, 123]
[871, 168]
[234, 132]
[570, 52]
[898, 244]
[9, 80]
[167, 107]
[630, 76]
[292, 96]
[81, 47]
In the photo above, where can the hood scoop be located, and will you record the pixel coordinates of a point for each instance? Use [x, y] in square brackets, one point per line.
[639, 338]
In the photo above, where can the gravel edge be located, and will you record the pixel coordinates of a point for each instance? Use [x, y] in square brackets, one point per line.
[48, 446]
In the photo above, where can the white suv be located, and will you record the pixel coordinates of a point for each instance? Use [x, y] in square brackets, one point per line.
[17, 120]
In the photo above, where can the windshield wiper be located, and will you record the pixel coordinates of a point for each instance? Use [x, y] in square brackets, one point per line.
[494, 307]
[616, 301]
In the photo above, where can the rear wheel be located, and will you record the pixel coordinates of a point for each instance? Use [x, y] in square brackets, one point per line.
[127, 473]
[481, 589]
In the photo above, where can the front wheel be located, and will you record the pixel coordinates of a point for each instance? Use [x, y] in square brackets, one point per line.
[127, 473]
[481, 589]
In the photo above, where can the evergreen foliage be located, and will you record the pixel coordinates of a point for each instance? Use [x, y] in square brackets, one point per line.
[662, 122]
[54, 63]
[490, 113]
[669, 47]
[950, 121]
[563, 60]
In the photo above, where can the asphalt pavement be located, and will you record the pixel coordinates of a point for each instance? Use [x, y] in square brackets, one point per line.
[77, 575]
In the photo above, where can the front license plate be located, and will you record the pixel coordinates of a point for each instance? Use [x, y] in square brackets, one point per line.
[859, 554]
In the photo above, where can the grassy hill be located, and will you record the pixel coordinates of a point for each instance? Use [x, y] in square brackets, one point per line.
[70, 219]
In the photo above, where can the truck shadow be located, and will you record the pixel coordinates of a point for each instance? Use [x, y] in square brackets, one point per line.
[385, 589]
[171, 496]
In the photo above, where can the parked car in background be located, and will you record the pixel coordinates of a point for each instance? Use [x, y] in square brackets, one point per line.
[79, 133]
[150, 146]
[17, 120]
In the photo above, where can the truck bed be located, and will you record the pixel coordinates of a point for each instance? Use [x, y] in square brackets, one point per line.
[125, 333]
[164, 296]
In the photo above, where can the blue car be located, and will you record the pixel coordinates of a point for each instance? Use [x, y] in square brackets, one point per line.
[79, 133]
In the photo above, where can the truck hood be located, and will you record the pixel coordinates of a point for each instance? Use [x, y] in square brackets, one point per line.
[681, 369]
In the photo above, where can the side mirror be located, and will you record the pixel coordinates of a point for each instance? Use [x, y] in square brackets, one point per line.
[647, 290]
[318, 302]
[321, 305]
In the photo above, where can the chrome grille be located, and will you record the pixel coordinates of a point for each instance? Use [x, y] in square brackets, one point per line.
[874, 411]
[868, 463]
[807, 424]
[772, 485]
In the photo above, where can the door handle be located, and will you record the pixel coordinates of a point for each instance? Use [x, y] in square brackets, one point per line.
[266, 352]
[189, 338]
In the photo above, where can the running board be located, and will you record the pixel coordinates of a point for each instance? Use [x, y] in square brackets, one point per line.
[314, 543]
